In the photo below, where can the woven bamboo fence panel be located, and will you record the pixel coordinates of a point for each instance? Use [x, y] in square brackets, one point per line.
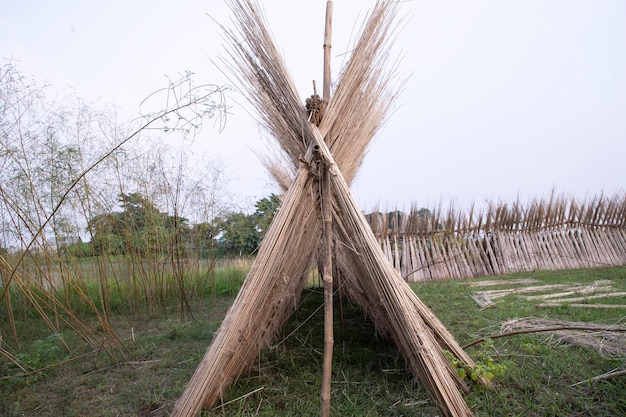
[548, 234]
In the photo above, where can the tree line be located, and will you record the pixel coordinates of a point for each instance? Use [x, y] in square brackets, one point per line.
[140, 228]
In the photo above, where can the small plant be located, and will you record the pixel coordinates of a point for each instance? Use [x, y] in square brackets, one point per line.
[44, 352]
[485, 367]
[178, 329]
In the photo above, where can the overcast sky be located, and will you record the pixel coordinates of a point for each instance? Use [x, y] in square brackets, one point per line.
[504, 98]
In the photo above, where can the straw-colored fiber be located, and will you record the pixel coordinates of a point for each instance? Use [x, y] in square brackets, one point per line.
[364, 93]
[548, 234]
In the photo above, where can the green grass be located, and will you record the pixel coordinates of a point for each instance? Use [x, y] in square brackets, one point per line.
[540, 377]
[369, 376]
[122, 285]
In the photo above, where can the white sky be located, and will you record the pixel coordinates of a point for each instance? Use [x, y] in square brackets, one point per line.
[504, 99]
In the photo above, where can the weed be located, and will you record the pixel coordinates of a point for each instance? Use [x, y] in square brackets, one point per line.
[178, 329]
[42, 354]
[486, 367]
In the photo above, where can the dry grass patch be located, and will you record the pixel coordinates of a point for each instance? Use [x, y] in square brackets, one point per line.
[606, 340]
[598, 289]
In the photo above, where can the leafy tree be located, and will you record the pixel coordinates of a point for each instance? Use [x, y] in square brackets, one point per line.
[394, 217]
[266, 209]
[139, 228]
[106, 231]
[138, 211]
[424, 213]
[77, 250]
[202, 239]
[240, 235]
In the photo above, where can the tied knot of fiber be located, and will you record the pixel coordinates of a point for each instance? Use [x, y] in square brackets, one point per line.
[315, 106]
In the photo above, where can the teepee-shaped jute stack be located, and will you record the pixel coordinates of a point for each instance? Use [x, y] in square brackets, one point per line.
[363, 94]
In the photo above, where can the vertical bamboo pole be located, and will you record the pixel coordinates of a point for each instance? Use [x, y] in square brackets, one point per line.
[327, 46]
[328, 293]
[326, 202]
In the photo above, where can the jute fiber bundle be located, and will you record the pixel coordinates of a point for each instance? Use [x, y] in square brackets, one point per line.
[376, 286]
[268, 296]
[556, 233]
[363, 95]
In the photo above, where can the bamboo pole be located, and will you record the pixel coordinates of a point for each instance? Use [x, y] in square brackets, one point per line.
[328, 31]
[326, 201]
[405, 264]
[619, 243]
[425, 258]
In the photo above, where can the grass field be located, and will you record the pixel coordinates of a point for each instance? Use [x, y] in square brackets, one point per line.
[536, 374]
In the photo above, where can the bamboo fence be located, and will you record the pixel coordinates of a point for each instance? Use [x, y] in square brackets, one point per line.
[556, 233]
